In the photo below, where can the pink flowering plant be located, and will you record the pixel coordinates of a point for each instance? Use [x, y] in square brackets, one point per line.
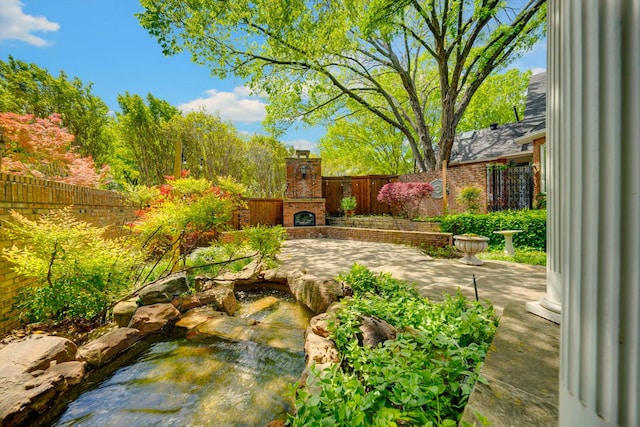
[405, 197]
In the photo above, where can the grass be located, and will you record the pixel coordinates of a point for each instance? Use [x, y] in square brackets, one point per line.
[522, 255]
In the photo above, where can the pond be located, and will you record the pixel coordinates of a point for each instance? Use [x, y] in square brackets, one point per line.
[203, 382]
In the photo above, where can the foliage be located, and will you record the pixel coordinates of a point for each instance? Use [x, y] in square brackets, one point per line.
[447, 252]
[522, 255]
[495, 100]
[264, 172]
[28, 89]
[348, 203]
[311, 58]
[405, 196]
[541, 201]
[186, 209]
[423, 377]
[362, 144]
[142, 140]
[469, 197]
[266, 241]
[42, 148]
[532, 222]
[77, 271]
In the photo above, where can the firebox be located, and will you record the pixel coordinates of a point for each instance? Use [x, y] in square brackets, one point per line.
[304, 219]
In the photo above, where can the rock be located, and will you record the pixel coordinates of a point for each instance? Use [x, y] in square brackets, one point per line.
[100, 351]
[32, 373]
[276, 275]
[123, 311]
[375, 331]
[314, 293]
[223, 299]
[73, 372]
[319, 350]
[249, 275]
[276, 423]
[164, 290]
[152, 318]
[37, 352]
[195, 317]
[228, 327]
[320, 324]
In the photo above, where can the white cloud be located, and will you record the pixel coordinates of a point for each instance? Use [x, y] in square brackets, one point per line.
[16, 25]
[538, 70]
[302, 144]
[236, 105]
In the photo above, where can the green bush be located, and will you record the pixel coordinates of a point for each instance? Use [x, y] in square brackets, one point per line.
[469, 197]
[76, 270]
[532, 222]
[422, 378]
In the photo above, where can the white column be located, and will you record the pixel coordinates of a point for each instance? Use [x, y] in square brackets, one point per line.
[594, 206]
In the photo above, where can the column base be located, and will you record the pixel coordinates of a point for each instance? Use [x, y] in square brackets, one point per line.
[534, 307]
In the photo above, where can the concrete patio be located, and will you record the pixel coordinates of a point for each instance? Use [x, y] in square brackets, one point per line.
[523, 361]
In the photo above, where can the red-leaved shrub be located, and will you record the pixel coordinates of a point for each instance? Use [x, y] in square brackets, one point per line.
[405, 196]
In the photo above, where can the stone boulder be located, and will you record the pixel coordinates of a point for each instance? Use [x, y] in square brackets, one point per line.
[123, 312]
[166, 289]
[227, 327]
[320, 324]
[374, 331]
[102, 350]
[153, 318]
[37, 352]
[319, 350]
[194, 317]
[249, 275]
[314, 293]
[32, 373]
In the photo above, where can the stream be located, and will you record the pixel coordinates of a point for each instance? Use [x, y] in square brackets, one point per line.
[211, 382]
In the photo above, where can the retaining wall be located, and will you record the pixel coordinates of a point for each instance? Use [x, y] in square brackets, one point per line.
[32, 198]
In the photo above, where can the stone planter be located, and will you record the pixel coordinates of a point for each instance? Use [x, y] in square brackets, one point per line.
[470, 246]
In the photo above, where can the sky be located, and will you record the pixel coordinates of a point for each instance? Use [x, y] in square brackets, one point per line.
[101, 41]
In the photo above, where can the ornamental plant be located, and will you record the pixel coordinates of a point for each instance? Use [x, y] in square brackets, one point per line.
[77, 272]
[42, 148]
[469, 197]
[186, 210]
[405, 197]
[422, 378]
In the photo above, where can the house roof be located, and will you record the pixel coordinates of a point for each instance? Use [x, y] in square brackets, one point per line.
[485, 144]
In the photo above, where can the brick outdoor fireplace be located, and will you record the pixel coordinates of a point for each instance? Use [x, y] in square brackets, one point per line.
[303, 205]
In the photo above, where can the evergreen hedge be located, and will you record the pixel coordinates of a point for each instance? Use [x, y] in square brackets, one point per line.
[532, 222]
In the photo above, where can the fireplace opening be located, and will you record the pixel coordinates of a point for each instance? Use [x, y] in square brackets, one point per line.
[304, 219]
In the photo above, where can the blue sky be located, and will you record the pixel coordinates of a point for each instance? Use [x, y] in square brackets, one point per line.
[100, 41]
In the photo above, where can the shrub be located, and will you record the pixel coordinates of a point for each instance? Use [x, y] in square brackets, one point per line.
[423, 377]
[186, 209]
[468, 197]
[77, 271]
[348, 203]
[405, 196]
[532, 222]
[267, 241]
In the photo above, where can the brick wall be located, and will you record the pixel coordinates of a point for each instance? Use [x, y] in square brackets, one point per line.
[384, 223]
[413, 238]
[458, 177]
[307, 185]
[34, 197]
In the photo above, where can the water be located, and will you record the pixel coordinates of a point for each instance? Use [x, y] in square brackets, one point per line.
[204, 382]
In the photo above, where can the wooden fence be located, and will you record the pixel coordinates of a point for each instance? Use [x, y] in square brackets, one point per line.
[364, 188]
[261, 212]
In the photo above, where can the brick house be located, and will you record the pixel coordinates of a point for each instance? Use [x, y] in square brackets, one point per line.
[506, 161]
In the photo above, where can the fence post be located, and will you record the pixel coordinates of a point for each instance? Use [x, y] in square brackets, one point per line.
[445, 199]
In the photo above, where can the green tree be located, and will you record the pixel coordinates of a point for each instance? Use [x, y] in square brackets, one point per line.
[210, 146]
[362, 145]
[495, 100]
[28, 89]
[265, 170]
[142, 139]
[310, 57]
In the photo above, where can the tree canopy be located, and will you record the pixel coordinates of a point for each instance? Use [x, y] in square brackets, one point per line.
[28, 89]
[310, 58]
